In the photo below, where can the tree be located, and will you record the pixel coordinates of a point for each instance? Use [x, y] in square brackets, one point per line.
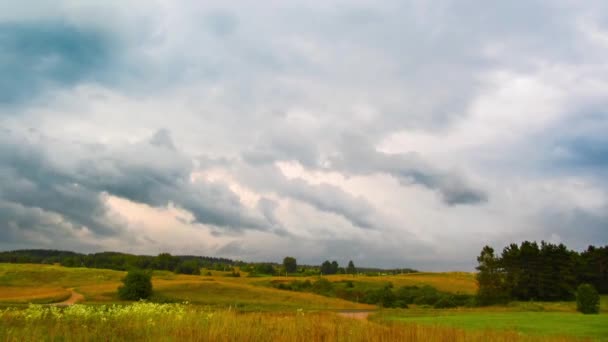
[290, 264]
[189, 267]
[166, 261]
[264, 268]
[137, 285]
[350, 269]
[490, 278]
[587, 299]
[325, 267]
[329, 267]
[334, 267]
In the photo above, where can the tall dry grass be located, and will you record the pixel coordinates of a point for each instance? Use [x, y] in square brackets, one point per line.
[179, 322]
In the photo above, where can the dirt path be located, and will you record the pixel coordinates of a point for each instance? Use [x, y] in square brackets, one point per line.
[75, 297]
[361, 315]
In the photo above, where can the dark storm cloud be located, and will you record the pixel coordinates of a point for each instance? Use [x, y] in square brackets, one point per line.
[31, 180]
[68, 179]
[27, 227]
[35, 56]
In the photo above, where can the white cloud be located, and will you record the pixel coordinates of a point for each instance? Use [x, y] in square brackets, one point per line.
[396, 134]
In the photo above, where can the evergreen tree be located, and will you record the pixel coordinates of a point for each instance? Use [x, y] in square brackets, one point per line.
[350, 269]
[490, 278]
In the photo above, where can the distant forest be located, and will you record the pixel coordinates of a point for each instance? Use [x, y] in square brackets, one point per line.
[184, 264]
[545, 271]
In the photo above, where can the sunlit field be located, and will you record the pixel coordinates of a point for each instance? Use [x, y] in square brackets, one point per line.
[457, 282]
[184, 322]
[217, 307]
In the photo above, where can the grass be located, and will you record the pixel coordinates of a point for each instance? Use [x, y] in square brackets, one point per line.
[251, 298]
[178, 322]
[231, 309]
[456, 282]
[40, 295]
[528, 323]
[99, 286]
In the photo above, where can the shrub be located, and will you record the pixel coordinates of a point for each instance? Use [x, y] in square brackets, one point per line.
[137, 285]
[400, 304]
[323, 287]
[587, 299]
[188, 267]
[445, 302]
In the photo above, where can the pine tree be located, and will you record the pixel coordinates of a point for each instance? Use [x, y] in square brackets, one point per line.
[350, 269]
[490, 278]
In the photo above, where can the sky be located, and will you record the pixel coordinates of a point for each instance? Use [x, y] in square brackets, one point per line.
[390, 133]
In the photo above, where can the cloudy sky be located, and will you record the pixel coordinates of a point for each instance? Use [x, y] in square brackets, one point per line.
[393, 133]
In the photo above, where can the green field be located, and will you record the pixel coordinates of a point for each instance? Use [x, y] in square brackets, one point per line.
[530, 323]
[238, 307]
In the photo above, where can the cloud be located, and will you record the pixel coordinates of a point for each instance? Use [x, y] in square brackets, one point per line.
[359, 157]
[69, 179]
[579, 227]
[42, 55]
[329, 198]
[334, 128]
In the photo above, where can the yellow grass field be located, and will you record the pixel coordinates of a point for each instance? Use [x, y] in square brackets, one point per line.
[178, 322]
[12, 294]
[221, 308]
[22, 284]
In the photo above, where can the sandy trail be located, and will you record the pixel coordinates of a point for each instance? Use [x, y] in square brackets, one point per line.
[361, 315]
[75, 297]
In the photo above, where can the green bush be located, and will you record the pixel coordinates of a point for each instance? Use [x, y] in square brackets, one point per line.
[137, 285]
[445, 302]
[587, 299]
[323, 287]
[188, 267]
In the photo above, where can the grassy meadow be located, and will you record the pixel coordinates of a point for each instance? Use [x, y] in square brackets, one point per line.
[220, 308]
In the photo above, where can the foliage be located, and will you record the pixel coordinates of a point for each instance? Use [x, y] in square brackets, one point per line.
[490, 278]
[350, 269]
[587, 299]
[544, 271]
[323, 287]
[264, 269]
[110, 260]
[445, 302]
[137, 286]
[290, 264]
[384, 295]
[188, 267]
[167, 262]
[593, 266]
[329, 267]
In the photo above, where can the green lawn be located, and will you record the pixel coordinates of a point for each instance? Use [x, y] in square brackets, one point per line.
[531, 323]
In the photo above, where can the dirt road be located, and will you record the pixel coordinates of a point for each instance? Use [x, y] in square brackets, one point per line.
[75, 297]
[361, 315]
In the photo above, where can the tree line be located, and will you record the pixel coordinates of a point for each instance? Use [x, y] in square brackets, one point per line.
[186, 264]
[291, 267]
[545, 271]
